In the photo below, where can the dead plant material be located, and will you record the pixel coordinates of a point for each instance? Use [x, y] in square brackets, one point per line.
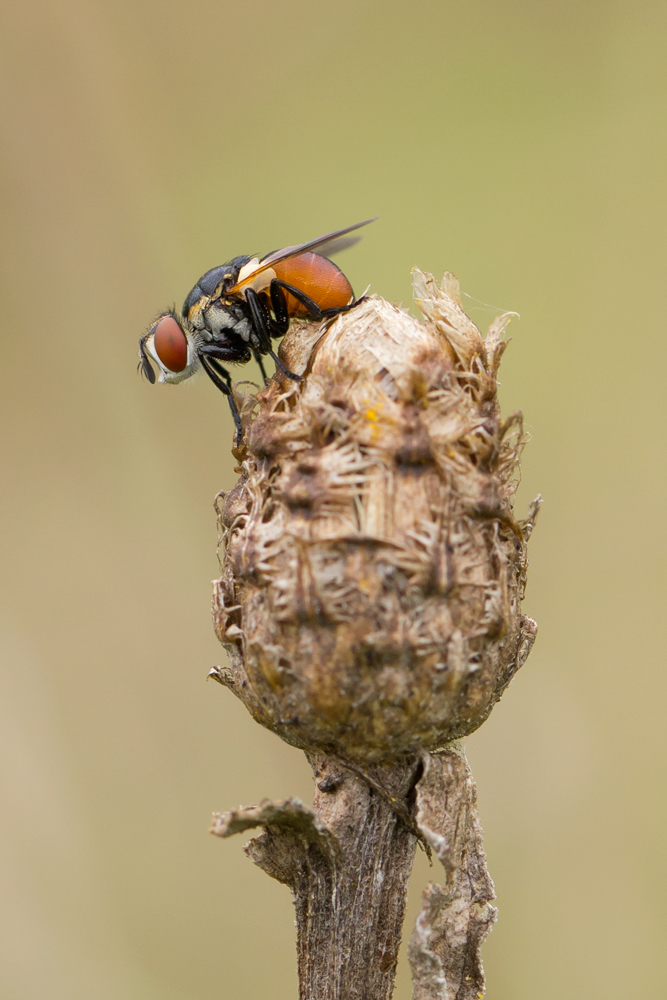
[373, 568]
[370, 602]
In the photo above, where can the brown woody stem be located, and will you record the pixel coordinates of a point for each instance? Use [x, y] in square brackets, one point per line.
[348, 862]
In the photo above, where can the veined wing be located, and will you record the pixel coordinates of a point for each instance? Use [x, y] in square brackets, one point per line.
[333, 241]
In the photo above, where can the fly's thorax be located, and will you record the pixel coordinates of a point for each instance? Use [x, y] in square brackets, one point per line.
[212, 286]
[220, 278]
[224, 318]
[216, 317]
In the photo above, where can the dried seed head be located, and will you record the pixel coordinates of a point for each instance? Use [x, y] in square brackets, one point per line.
[373, 569]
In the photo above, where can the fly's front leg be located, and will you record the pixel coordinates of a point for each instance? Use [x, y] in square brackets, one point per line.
[258, 339]
[222, 380]
[258, 359]
[260, 320]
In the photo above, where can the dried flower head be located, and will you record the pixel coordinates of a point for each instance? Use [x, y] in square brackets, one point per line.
[373, 569]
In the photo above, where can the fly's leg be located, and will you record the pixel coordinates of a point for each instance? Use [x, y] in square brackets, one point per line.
[258, 359]
[279, 304]
[265, 327]
[222, 380]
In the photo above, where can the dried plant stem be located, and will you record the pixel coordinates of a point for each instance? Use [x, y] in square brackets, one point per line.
[367, 877]
[348, 862]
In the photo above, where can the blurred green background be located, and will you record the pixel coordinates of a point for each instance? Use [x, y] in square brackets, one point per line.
[519, 144]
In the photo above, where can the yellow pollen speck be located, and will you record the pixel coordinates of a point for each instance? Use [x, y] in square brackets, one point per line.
[371, 415]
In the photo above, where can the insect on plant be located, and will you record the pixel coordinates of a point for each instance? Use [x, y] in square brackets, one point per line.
[235, 311]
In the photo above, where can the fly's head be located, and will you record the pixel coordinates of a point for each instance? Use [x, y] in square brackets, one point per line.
[170, 344]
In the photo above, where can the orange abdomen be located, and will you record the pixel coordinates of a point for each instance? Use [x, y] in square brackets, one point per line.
[318, 277]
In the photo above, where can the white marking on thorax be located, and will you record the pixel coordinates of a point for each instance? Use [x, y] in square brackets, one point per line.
[261, 281]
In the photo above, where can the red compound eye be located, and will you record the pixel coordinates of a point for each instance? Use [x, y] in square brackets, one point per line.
[170, 344]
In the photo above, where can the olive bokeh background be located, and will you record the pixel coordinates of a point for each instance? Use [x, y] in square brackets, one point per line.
[522, 146]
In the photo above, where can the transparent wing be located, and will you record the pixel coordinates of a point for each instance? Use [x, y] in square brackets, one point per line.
[331, 242]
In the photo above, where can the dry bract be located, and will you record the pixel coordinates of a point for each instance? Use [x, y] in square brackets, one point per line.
[373, 569]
